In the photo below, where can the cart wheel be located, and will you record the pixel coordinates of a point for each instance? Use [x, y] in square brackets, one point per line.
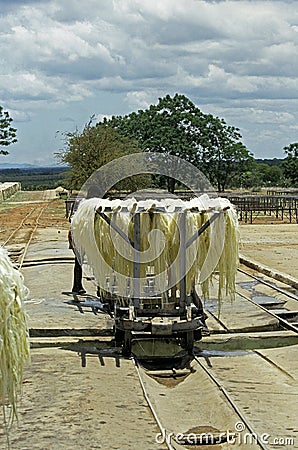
[189, 337]
[197, 335]
[188, 341]
[119, 337]
[126, 351]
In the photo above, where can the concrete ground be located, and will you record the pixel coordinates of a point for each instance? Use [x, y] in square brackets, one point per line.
[67, 406]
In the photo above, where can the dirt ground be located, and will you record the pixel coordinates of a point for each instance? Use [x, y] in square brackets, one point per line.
[274, 245]
[23, 204]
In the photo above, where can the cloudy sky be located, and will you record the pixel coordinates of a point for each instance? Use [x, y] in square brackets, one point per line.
[63, 61]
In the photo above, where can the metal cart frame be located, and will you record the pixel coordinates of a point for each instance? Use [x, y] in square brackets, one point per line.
[142, 317]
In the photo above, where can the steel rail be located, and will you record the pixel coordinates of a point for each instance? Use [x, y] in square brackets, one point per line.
[42, 205]
[31, 236]
[227, 396]
[272, 363]
[231, 402]
[162, 429]
[284, 322]
[44, 261]
[19, 227]
[271, 285]
[288, 325]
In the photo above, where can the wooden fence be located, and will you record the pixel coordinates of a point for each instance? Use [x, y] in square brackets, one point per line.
[251, 206]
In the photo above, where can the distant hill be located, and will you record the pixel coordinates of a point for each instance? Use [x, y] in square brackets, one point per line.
[16, 166]
[270, 162]
[35, 178]
[26, 166]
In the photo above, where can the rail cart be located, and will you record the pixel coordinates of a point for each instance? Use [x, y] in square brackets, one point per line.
[148, 313]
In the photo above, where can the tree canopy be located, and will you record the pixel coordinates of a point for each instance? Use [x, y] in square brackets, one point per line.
[174, 126]
[171, 127]
[290, 164]
[177, 127]
[7, 132]
[224, 157]
[95, 146]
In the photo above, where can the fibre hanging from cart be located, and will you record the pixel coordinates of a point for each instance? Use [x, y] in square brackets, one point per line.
[149, 255]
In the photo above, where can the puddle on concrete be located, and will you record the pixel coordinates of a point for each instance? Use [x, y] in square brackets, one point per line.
[258, 297]
[236, 345]
[248, 285]
[208, 353]
[268, 301]
[265, 299]
[170, 379]
[202, 437]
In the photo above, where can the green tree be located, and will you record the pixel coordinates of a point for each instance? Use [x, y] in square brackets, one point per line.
[177, 127]
[95, 146]
[271, 175]
[290, 164]
[7, 132]
[224, 157]
[261, 174]
[171, 127]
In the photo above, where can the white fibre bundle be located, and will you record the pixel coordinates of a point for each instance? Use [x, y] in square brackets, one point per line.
[229, 259]
[215, 250]
[161, 246]
[174, 249]
[192, 252]
[14, 336]
[123, 251]
[219, 250]
[211, 246]
[202, 203]
[84, 235]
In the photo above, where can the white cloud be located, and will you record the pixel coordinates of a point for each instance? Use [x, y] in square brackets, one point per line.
[101, 117]
[19, 116]
[219, 53]
[138, 100]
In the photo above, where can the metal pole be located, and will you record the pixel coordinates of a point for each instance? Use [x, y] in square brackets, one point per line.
[203, 228]
[182, 260]
[198, 233]
[136, 261]
[114, 226]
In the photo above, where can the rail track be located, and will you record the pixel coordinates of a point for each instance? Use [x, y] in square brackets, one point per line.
[270, 284]
[287, 318]
[18, 241]
[174, 435]
[175, 438]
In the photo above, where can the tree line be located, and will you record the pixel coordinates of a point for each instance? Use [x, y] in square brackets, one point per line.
[174, 126]
[35, 179]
